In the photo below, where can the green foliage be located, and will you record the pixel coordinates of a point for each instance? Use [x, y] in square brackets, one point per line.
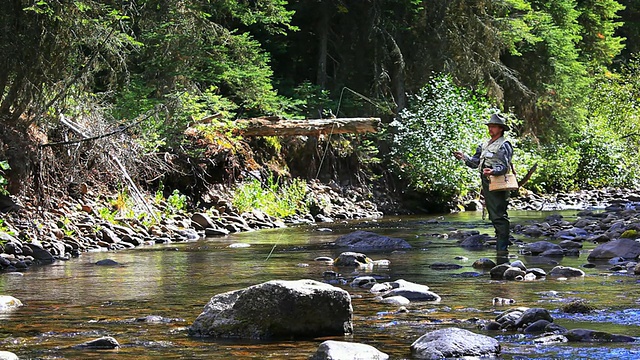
[177, 202]
[4, 229]
[312, 101]
[278, 200]
[439, 120]
[557, 165]
[4, 165]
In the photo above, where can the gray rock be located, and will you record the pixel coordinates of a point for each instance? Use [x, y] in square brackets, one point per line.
[444, 266]
[484, 263]
[475, 241]
[539, 247]
[513, 273]
[203, 220]
[107, 262]
[350, 258]
[551, 339]
[103, 343]
[277, 309]
[39, 253]
[365, 282]
[454, 343]
[538, 326]
[565, 271]
[409, 290]
[498, 271]
[342, 350]
[585, 335]
[531, 316]
[7, 355]
[626, 248]
[364, 240]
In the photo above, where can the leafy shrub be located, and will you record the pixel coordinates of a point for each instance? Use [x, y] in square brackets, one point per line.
[557, 165]
[439, 120]
[177, 202]
[273, 198]
[4, 165]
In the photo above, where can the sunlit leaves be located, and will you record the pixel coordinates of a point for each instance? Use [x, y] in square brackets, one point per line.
[440, 119]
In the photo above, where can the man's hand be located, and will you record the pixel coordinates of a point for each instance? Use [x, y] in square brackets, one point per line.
[458, 154]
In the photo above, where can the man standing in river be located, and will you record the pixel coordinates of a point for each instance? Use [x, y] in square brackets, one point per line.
[493, 158]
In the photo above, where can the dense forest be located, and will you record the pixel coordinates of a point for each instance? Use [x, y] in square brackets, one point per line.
[154, 89]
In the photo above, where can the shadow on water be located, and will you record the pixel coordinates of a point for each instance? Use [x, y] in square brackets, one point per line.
[71, 302]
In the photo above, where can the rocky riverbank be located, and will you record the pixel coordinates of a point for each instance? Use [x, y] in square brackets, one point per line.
[31, 235]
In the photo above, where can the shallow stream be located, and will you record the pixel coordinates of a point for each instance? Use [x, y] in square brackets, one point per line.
[71, 302]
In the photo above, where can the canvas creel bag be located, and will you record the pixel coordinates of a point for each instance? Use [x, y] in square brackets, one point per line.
[506, 182]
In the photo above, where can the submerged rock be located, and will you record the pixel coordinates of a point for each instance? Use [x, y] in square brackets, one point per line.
[585, 335]
[368, 241]
[106, 342]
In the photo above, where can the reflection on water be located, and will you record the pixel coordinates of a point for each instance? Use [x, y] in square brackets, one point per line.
[70, 302]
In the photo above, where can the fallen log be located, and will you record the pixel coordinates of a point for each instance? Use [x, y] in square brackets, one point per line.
[311, 127]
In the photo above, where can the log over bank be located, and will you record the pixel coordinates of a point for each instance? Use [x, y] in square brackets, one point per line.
[275, 126]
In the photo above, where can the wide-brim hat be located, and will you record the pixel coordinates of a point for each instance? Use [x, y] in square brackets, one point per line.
[497, 119]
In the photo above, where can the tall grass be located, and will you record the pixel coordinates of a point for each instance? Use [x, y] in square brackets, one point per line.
[273, 198]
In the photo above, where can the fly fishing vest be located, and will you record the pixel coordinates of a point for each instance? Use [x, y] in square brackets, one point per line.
[489, 154]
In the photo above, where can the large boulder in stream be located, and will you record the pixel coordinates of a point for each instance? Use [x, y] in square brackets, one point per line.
[625, 248]
[277, 309]
[369, 241]
[454, 343]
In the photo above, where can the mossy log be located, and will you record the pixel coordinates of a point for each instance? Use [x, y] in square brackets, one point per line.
[275, 126]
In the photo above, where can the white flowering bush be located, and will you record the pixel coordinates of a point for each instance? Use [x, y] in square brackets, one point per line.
[439, 120]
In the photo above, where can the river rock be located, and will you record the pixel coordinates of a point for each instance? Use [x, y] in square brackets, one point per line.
[513, 273]
[343, 350]
[531, 316]
[7, 355]
[444, 266]
[475, 241]
[39, 253]
[103, 343]
[539, 247]
[203, 220]
[365, 282]
[551, 339]
[497, 272]
[565, 271]
[8, 302]
[396, 300]
[626, 248]
[277, 309]
[369, 241]
[585, 335]
[350, 258]
[538, 326]
[454, 343]
[410, 290]
[107, 262]
[483, 263]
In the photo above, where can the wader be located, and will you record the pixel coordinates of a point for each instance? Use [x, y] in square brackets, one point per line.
[496, 202]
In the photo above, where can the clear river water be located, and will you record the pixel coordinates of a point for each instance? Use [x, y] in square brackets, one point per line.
[70, 302]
